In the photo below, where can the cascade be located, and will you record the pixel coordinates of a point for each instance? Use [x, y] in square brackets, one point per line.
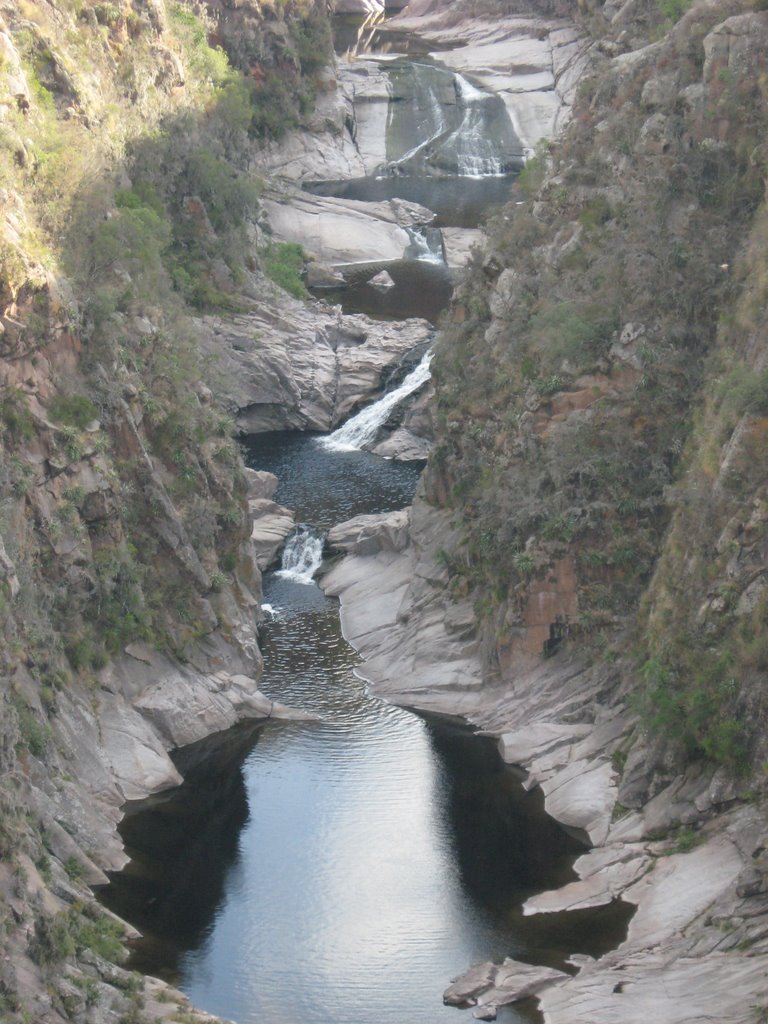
[426, 244]
[362, 429]
[477, 154]
[302, 554]
[460, 129]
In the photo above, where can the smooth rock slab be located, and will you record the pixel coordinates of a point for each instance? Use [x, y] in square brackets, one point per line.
[341, 231]
[369, 534]
[489, 984]
[271, 525]
[583, 796]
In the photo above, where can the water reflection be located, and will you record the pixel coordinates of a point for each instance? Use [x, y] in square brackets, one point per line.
[341, 869]
[351, 865]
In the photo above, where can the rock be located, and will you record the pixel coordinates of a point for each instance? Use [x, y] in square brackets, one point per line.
[534, 64]
[382, 280]
[305, 368]
[583, 796]
[319, 275]
[134, 751]
[8, 571]
[271, 525]
[523, 745]
[472, 982]
[458, 244]
[403, 446]
[413, 659]
[358, 7]
[340, 231]
[499, 985]
[370, 534]
[260, 483]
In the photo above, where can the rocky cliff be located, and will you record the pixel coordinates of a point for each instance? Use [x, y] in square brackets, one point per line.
[130, 232]
[582, 574]
[583, 571]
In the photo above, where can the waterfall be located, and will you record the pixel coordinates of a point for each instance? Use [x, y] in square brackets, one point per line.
[427, 115]
[362, 429]
[426, 244]
[442, 124]
[477, 154]
[302, 554]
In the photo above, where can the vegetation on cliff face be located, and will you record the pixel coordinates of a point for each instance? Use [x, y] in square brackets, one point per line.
[127, 135]
[602, 378]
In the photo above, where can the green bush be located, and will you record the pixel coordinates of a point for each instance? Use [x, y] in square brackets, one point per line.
[694, 704]
[283, 264]
[15, 414]
[208, 62]
[51, 940]
[532, 175]
[572, 331]
[100, 934]
[746, 390]
[673, 10]
[34, 734]
[595, 212]
[73, 410]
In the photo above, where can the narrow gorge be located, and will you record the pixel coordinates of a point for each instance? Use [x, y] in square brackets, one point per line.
[466, 325]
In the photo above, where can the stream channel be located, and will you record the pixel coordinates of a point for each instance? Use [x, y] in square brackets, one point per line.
[342, 870]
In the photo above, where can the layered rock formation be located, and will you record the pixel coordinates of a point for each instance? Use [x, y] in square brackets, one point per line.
[547, 508]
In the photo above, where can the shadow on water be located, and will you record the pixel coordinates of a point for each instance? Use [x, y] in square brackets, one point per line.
[187, 858]
[182, 845]
[496, 821]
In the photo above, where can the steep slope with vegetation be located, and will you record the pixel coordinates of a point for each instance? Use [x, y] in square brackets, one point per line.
[127, 134]
[600, 387]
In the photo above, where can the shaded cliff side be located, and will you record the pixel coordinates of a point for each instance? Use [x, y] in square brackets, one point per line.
[129, 593]
[599, 389]
[582, 574]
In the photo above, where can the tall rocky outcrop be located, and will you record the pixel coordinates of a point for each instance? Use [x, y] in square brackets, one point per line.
[599, 390]
[582, 574]
[129, 592]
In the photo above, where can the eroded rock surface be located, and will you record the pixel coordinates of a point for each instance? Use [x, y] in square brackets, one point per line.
[561, 722]
[305, 367]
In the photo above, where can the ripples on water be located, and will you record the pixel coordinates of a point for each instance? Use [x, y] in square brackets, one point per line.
[326, 487]
[342, 870]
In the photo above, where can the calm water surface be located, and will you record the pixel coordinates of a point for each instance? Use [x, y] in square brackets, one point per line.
[342, 869]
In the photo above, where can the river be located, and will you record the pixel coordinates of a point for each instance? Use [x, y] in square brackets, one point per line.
[342, 870]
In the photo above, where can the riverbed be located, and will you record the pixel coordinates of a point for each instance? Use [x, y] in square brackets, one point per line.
[344, 869]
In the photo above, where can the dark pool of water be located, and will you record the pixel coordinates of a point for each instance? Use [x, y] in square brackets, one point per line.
[325, 487]
[341, 870]
[421, 290]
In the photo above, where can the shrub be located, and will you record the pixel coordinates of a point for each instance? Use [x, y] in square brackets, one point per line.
[206, 61]
[673, 10]
[15, 414]
[51, 940]
[283, 263]
[572, 331]
[74, 410]
[532, 175]
[746, 390]
[596, 212]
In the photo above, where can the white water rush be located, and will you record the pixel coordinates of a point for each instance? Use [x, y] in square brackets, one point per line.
[477, 153]
[302, 555]
[362, 429]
